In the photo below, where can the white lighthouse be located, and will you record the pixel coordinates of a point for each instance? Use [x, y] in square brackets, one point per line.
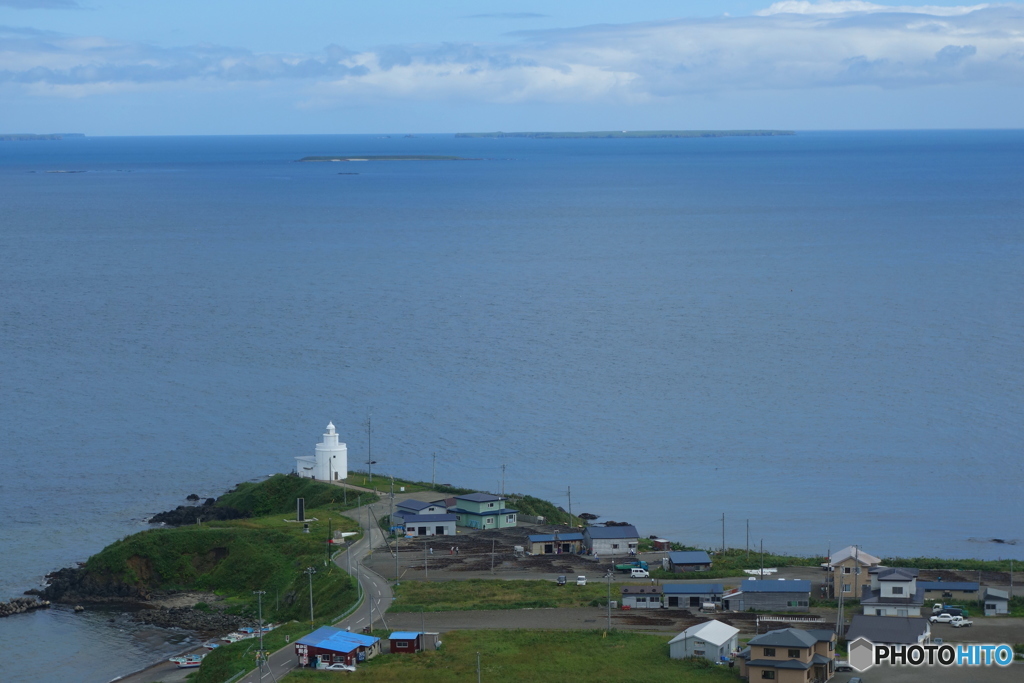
[329, 462]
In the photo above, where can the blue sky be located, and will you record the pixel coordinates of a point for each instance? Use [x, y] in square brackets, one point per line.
[131, 67]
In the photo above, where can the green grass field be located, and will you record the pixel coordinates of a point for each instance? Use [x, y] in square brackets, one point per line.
[529, 655]
[476, 594]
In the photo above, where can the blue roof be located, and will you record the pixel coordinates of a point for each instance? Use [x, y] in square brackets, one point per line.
[328, 638]
[689, 557]
[418, 504]
[694, 588]
[479, 497]
[544, 538]
[404, 635]
[628, 531]
[787, 586]
[948, 585]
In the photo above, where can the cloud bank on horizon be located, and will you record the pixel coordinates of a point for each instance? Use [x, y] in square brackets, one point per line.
[790, 45]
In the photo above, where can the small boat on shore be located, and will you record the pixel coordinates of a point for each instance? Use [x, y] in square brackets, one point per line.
[191, 662]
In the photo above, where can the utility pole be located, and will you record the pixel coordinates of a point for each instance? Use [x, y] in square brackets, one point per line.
[762, 558]
[502, 480]
[309, 572]
[369, 444]
[433, 469]
[426, 569]
[330, 534]
[259, 597]
[748, 539]
[477, 667]
[569, 491]
[609, 601]
[492, 555]
[391, 523]
[723, 532]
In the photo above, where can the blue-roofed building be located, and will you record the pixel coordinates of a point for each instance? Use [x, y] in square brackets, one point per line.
[553, 544]
[611, 540]
[411, 642]
[949, 591]
[328, 645]
[793, 595]
[692, 595]
[688, 561]
[483, 511]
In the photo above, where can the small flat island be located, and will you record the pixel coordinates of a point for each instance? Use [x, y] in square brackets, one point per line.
[386, 157]
[18, 137]
[633, 134]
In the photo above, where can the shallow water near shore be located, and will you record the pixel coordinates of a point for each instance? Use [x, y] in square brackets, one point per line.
[819, 333]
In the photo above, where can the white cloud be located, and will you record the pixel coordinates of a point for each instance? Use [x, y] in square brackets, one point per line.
[790, 46]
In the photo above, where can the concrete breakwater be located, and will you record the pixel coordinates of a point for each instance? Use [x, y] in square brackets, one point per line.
[20, 605]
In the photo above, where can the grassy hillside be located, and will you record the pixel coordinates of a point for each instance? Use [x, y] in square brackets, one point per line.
[278, 493]
[533, 655]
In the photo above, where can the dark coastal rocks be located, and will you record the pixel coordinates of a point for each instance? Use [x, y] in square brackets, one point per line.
[193, 514]
[191, 619]
[74, 585]
[586, 515]
[21, 605]
[611, 523]
[192, 496]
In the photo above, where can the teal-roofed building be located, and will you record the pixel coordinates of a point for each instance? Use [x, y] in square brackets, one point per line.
[483, 511]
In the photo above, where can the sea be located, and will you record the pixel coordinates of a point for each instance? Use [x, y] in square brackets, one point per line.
[819, 337]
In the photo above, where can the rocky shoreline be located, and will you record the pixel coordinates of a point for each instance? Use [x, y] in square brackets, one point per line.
[21, 605]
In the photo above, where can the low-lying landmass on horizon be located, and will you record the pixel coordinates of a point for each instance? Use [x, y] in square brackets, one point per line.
[567, 135]
[386, 157]
[16, 137]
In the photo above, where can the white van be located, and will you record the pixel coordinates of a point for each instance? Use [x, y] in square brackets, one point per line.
[638, 573]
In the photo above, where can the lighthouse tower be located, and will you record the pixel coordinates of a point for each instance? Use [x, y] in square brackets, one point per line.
[329, 462]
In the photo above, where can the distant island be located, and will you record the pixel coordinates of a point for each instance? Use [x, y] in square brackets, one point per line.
[387, 157]
[15, 137]
[633, 134]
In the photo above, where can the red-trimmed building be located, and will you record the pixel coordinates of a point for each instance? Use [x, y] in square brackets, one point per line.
[328, 645]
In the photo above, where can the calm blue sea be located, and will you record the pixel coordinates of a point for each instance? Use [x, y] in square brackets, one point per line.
[820, 333]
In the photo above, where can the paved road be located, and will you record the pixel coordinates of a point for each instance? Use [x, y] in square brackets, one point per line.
[376, 589]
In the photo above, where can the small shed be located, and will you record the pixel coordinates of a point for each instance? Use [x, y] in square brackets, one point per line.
[996, 602]
[412, 641]
[641, 597]
[328, 645]
[712, 640]
[661, 544]
[427, 525]
[791, 595]
[611, 540]
[688, 561]
[692, 595]
[554, 544]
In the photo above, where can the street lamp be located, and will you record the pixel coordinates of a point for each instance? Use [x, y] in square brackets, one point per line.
[309, 572]
[259, 597]
[609, 600]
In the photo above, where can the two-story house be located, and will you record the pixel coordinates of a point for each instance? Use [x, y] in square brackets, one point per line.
[789, 655]
[848, 572]
[483, 511]
[420, 518]
[893, 592]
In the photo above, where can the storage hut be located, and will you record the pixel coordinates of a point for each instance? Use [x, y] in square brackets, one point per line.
[611, 540]
[688, 561]
[692, 595]
[412, 641]
[328, 645]
[711, 640]
[427, 525]
[641, 597]
[793, 595]
[996, 602]
[553, 544]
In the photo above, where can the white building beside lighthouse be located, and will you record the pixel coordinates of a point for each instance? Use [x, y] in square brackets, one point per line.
[328, 462]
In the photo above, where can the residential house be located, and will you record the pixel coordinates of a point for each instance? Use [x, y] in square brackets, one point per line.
[688, 561]
[412, 641]
[553, 544]
[428, 525]
[894, 592]
[789, 655]
[328, 645]
[692, 595]
[792, 595]
[641, 597]
[848, 572]
[996, 602]
[889, 630]
[711, 640]
[611, 540]
[949, 591]
[483, 511]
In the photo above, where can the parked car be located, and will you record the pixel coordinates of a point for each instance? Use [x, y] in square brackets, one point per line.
[943, 618]
[338, 667]
[959, 622]
[581, 581]
[843, 666]
[638, 573]
[560, 581]
[856, 679]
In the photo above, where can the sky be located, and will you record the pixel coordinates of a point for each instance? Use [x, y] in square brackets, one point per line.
[191, 67]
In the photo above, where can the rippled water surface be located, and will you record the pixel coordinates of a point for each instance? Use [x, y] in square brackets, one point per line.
[820, 333]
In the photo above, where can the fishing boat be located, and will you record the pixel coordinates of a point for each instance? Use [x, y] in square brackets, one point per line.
[190, 661]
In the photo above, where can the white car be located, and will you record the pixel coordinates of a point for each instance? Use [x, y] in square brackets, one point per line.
[581, 581]
[338, 667]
